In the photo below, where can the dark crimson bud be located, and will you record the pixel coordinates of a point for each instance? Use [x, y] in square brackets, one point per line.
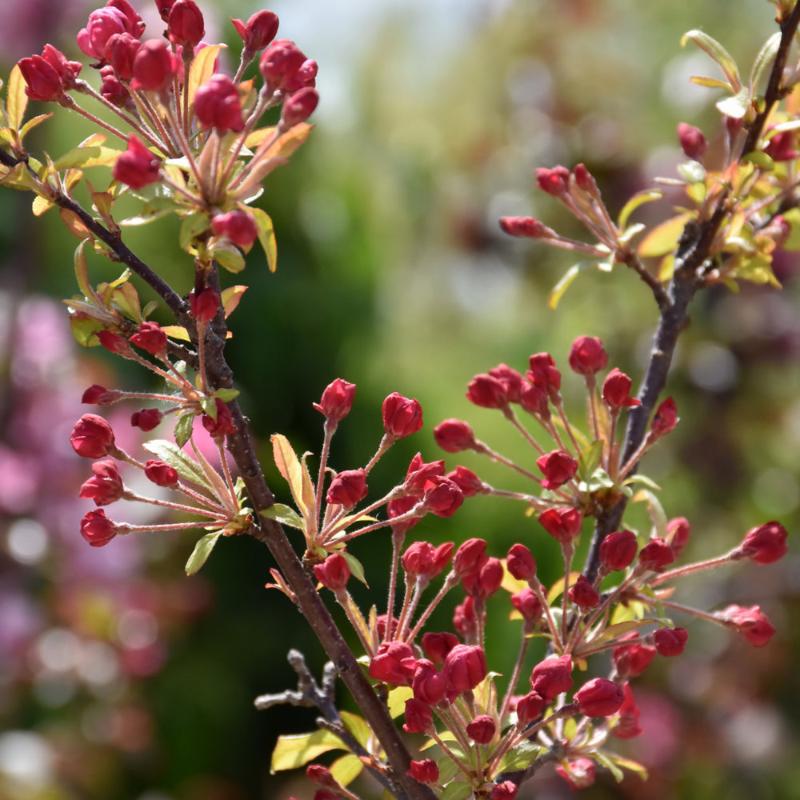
[444, 498]
[436, 646]
[121, 51]
[402, 416]
[421, 476]
[579, 773]
[204, 305]
[530, 707]
[102, 24]
[454, 435]
[428, 685]
[511, 380]
[554, 181]
[105, 485]
[425, 771]
[217, 105]
[258, 31]
[237, 226]
[558, 468]
[464, 619]
[584, 179]
[92, 437]
[751, 623]
[112, 88]
[534, 400]
[633, 659]
[526, 227]
[766, 543]
[665, 420]
[399, 507]
[97, 395]
[562, 523]
[599, 698]
[466, 480]
[464, 668]
[67, 70]
[552, 676]
[678, 532]
[482, 729]
[521, 563]
[306, 76]
[618, 550]
[507, 790]
[97, 528]
[348, 488]
[164, 7]
[670, 641]
[381, 623]
[299, 106]
[587, 355]
[185, 23]
[617, 391]
[223, 424]
[656, 555]
[544, 373]
[160, 473]
[627, 726]
[781, 147]
[42, 81]
[280, 62]
[137, 167]
[418, 717]
[146, 419]
[336, 400]
[153, 67]
[150, 338]
[394, 663]
[486, 582]
[528, 604]
[692, 141]
[114, 343]
[418, 559]
[333, 573]
[470, 557]
[583, 594]
[487, 391]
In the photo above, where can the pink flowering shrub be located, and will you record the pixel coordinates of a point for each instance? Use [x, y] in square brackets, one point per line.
[436, 719]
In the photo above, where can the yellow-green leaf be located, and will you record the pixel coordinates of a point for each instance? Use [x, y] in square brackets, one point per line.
[396, 701]
[266, 236]
[663, 239]
[177, 332]
[567, 279]
[289, 466]
[639, 199]
[298, 750]
[718, 53]
[346, 769]
[231, 297]
[285, 515]
[357, 726]
[202, 550]
[16, 98]
[32, 123]
[202, 68]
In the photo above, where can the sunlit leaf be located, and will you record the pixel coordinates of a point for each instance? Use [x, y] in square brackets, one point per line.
[663, 238]
[183, 464]
[202, 68]
[639, 199]
[718, 53]
[766, 55]
[202, 550]
[285, 515]
[567, 279]
[396, 701]
[734, 106]
[346, 769]
[356, 567]
[289, 466]
[298, 750]
[16, 98]
[231, 298]
[357, 726]
[266, 236]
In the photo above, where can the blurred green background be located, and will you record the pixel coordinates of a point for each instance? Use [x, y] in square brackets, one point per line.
[122, 680]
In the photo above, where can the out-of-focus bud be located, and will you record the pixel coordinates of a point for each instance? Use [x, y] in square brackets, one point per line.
[336, 400]
[562, 523]
[530, 707]
[617, 391]
[558, 468]
[482, 729]
[618, 550]
[153, 67]
[348, 488]
[528, 604]
[299, 106]
[678, 532]
[587, 356]
[428, 685]
[185, 24]
[97, 528]
[280, 62]
[526, 227]
[160, 473]
[670, 641]
[521, 563]
[394, 663]
[42, 81]
[766, 543]
[217, 105]
[554, 181]
[114, 343]
[750, 622]
[599, 698]
[781, 147]
[656, 555]
[151, 338]
[506, 790]
[402, 416]
[222, 425]
[534, 399]
[121, 51]
[584, 179]
[425, 771]
[487, 391]
[464, 668]
[105, 485]
[579, 773]
[164, 7]
[204, 305]
[633, 659]
[237, 226]
[418, 717]
[97, 395]
[103, 23]
[436, 646]
[146, 419]
[465, 620]
[333, 573]
[443, 498]
[627, 727]
[544, 373]
[305, 77]
[665, 420]
[466, 480]
[92, 437]
[511, 380]
[137, 167]
[583, 594]
[692, 141]
[454, 435]
[552, 676]
[258, 31]
[112, 88]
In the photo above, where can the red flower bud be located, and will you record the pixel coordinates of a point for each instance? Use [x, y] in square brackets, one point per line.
[399, 507]
[333, 573]
[521, 563]
[752, 623]
[617, 391]
[425, 771]
[482, 729]
[583, 594]
[507, 790]
[348, 488]
[160, 473]
[317, 773]
[627, 726]
[444, 498]
[134, 21]
[150, 338]
[258, 31]
[92, 437]
[466, 480]
[766, 543]
[402, 416]
[421, 476]
[544, 373]
[102, 24]
[562, 523]
[97, 395]
[464, 668]
[204, 305]
[221, 426]
[579, 773]
[306, 76]
[781, 147]
[299, 106]
[530, 707]
[618, 550]
[137, 167]
[280, 62]
[632, 660]
[336, 400]
[599, 698]
[527, 227]
[465, 620]
[656, 555]
[587, 355]
[552, 676]
[692, 141]
[665, 420]
[422, 559]
[528, 604]
[68, 71]
[678, 532]
[185, 24]
[470, 557]
[121, 51]
[511, 380]
[487, 391]
[418, 716]
[237, 226]
[97, 528]
[105, 485]
[436, 646]
[42, 81]
[153, 67]
[164, 7]
[217, 105]
[454, 435]
[114, 343]
[428, 685]
[554, 181]
[146, 419]
[558, 468]
[533, 399]
[584, 179]
[670, 641]
[394, 663]
[487, 581]
[112, 89]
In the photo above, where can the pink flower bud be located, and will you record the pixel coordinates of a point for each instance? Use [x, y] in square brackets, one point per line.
[112, 88]
[579, 773]
[348, 488]
[105, 485]
[487, 391]
[421, 476]
[544, 373]
[599, 698]
[534, 399]
[558, 468]
[670, 641]
[554, 181]
[134, 21]
[766, 543]
[160, 473]
[470, 557]
[147, 419]
[217, 105]
[562, 523]
[100, 27]
[422, 559]
[781, 147]
[627, 727]
[164, 7]
[464, 668]
[137, 167]
[402, 416]
[418, 717]
[121, 50]
[584, 179]
[185, 24]
[428, 685]
[394, 663]
[587, 355]
[511, 380]
[204, 305]
[97, 395]
[221, 426]
[752, 623]
[42, 81]
[92, 437]
[526, 227]
[482, 729]
[530, 707]
[280, 63]
[617, 391]
[114, 343]
[528, 604]
[466, 480]
[633, 659]
[454, 435]
[692, 141]
[465, 620]
[258, 31]
[552, 676]
[443, 498]
[333, 573]
[237, 226]
[306, 76]
[618, 550]
[425, 771]
[153, 67]
[97, 528]
[665, 420]
[436, 646]
[399, 507]
[317, 773]
[507, 790]
[521, 563]
[487, 581]
[656, 555]
[299, 106]
[151, 338]
[336, 400]
[583, 594]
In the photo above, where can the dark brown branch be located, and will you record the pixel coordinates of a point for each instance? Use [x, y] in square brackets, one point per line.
[630, 259]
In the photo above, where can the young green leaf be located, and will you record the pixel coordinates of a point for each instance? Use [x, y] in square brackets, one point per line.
[183, 429]
[639, 199]
[285, 515]
[718, 53]
[567, 279]
[266, 236]
[202, 550]
[298, 750]
[346, 769]
[16, 98]
[766, 55]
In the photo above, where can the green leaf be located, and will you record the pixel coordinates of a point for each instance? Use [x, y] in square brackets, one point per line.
[202, 550]
[356, 567]
[627, 763]
[643, 480]
[185, 466]
[202, 68]
[358, 726]
[567, 279]
[639, 199]
[657, 514]
[77, 157]
[228, 256]
[226, 395]
[396, 701]
[192, 226]
[663, 239]
[520, 757]
[231, 297]
[32, 123]
[285, 515]
[289, 466]
[183, 429]
[298, 750]
[760, 159]
[766, 55]
[85, 329]
[457, 790]
[266, 236]
[346, 769]
[718, 53]
[602, 759]
[16, 98]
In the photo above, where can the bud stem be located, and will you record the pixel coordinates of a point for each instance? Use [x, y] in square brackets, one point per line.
[137, 498]
[450, 581]
[397, 544]
[484, 449]
[689, 569]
